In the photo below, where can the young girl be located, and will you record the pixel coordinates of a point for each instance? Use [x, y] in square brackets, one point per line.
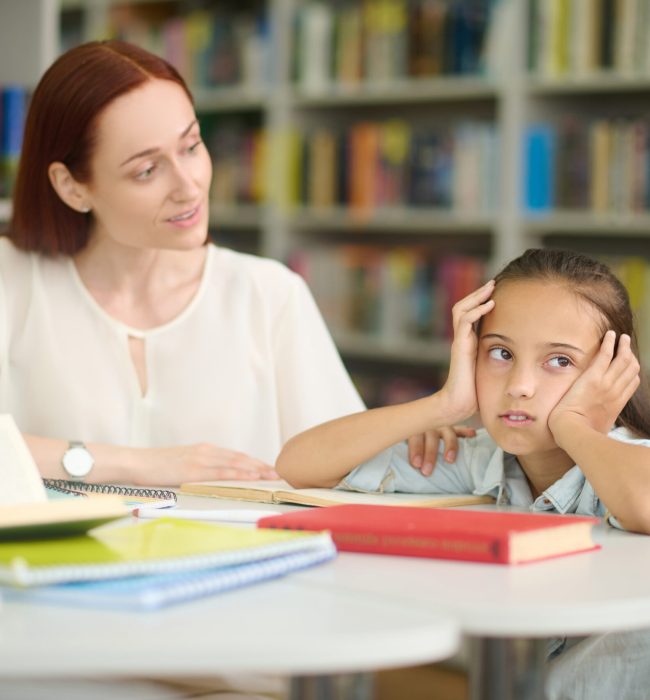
[547, 353]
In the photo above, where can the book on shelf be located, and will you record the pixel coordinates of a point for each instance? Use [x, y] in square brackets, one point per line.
[281, 492]
[131, 496]
[580, 38]
[470, 535]
[13, 111]
[26, 511]
[539, 157]
[160, 546]
[385, 41]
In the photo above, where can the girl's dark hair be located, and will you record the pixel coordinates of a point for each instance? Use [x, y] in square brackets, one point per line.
[596, 283]
[61, 126]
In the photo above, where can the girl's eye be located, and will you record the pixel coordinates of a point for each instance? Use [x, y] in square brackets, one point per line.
[499, 354]
[145, 174]
[195, 146]
[560, 361]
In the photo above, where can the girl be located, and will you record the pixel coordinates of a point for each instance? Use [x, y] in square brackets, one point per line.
[547, 353]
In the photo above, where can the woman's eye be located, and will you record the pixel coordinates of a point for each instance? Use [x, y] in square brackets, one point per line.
[145, 174]
[499, 354]
[194, 147]
[560, 361]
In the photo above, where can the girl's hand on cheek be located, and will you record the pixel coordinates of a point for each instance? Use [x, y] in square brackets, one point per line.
[459, 390]
[602, 390]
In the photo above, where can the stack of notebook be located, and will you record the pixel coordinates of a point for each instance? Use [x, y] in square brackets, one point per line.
[150, 565]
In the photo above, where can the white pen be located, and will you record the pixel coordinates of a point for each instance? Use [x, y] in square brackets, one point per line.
[224, 516]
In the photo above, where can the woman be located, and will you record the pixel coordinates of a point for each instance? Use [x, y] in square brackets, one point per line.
[171, 359]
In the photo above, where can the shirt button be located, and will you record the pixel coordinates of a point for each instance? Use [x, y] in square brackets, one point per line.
[546, 502]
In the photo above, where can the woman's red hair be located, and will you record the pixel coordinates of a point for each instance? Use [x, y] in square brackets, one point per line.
[61, 125]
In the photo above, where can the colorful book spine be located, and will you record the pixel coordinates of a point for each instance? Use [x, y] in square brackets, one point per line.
[13, 110]
[539, 158]
[392, 294]
[579, 38]
[390, 164]
[600, 165]
[383, 41]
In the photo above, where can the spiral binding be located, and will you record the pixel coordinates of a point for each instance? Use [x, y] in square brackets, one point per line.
[64, 486]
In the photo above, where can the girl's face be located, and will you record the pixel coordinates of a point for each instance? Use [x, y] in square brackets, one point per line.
[533, 345]
[150, 171]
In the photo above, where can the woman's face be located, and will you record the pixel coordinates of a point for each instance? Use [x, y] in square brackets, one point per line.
[538, 339]
[150, 171]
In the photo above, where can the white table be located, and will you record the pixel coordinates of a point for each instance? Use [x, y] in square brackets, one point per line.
[281, 627]
[508, 609]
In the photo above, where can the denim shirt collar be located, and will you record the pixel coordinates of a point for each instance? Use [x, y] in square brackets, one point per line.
[504, 480]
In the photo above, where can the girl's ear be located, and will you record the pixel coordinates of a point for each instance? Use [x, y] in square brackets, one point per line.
[71, 192]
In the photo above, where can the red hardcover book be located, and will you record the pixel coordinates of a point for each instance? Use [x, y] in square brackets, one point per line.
[472, 535]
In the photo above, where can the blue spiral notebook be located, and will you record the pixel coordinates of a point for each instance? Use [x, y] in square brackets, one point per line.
[161, 547]
[142, 593]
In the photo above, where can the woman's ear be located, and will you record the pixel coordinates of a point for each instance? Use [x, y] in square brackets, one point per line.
[71, 192]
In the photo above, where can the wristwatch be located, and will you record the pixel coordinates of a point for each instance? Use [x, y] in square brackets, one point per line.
[77, 460]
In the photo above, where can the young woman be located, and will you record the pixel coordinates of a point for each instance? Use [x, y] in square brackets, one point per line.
[170, 359]
[547, 353]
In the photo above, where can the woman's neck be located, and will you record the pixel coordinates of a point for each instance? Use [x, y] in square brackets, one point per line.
[144, 287]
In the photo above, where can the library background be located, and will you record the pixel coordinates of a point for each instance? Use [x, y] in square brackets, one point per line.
[393, 152]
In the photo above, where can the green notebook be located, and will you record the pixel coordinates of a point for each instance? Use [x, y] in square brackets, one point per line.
[160, 546]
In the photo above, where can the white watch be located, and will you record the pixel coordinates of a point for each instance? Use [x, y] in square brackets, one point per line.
[77, 460]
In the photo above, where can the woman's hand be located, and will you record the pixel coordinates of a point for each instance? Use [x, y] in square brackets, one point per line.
[423, 448]
[601, 391]
[171, 466]
[459, 390]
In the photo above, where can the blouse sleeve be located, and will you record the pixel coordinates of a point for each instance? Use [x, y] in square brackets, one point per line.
[312, 383]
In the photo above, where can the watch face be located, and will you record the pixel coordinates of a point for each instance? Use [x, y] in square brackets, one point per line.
[77, 461]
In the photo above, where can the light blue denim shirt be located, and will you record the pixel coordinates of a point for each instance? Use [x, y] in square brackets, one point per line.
[484, 469]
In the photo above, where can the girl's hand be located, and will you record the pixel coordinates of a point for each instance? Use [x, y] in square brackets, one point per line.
[459, 390]
[423, 449]
[171, 466]
[602, 390]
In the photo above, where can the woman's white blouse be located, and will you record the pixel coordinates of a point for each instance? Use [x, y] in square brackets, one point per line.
[246, 365]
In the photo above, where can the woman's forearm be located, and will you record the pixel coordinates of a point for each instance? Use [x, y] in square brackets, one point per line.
[112, 464]
[323, 455]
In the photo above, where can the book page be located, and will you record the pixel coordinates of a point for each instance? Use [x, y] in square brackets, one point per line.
[328, 497]
[254, 491]
[20, 479]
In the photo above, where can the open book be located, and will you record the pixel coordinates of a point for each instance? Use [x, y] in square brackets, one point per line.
[26, 511]
[281, 492]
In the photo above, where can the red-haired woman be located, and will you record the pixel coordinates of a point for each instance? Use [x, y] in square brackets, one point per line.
[169, 358]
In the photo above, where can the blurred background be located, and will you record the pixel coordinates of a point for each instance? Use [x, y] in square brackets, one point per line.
[393, 152]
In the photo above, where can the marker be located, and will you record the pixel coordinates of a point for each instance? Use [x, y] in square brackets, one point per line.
[223, 516]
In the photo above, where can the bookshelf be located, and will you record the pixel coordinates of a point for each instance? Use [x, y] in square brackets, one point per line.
[540, 65]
